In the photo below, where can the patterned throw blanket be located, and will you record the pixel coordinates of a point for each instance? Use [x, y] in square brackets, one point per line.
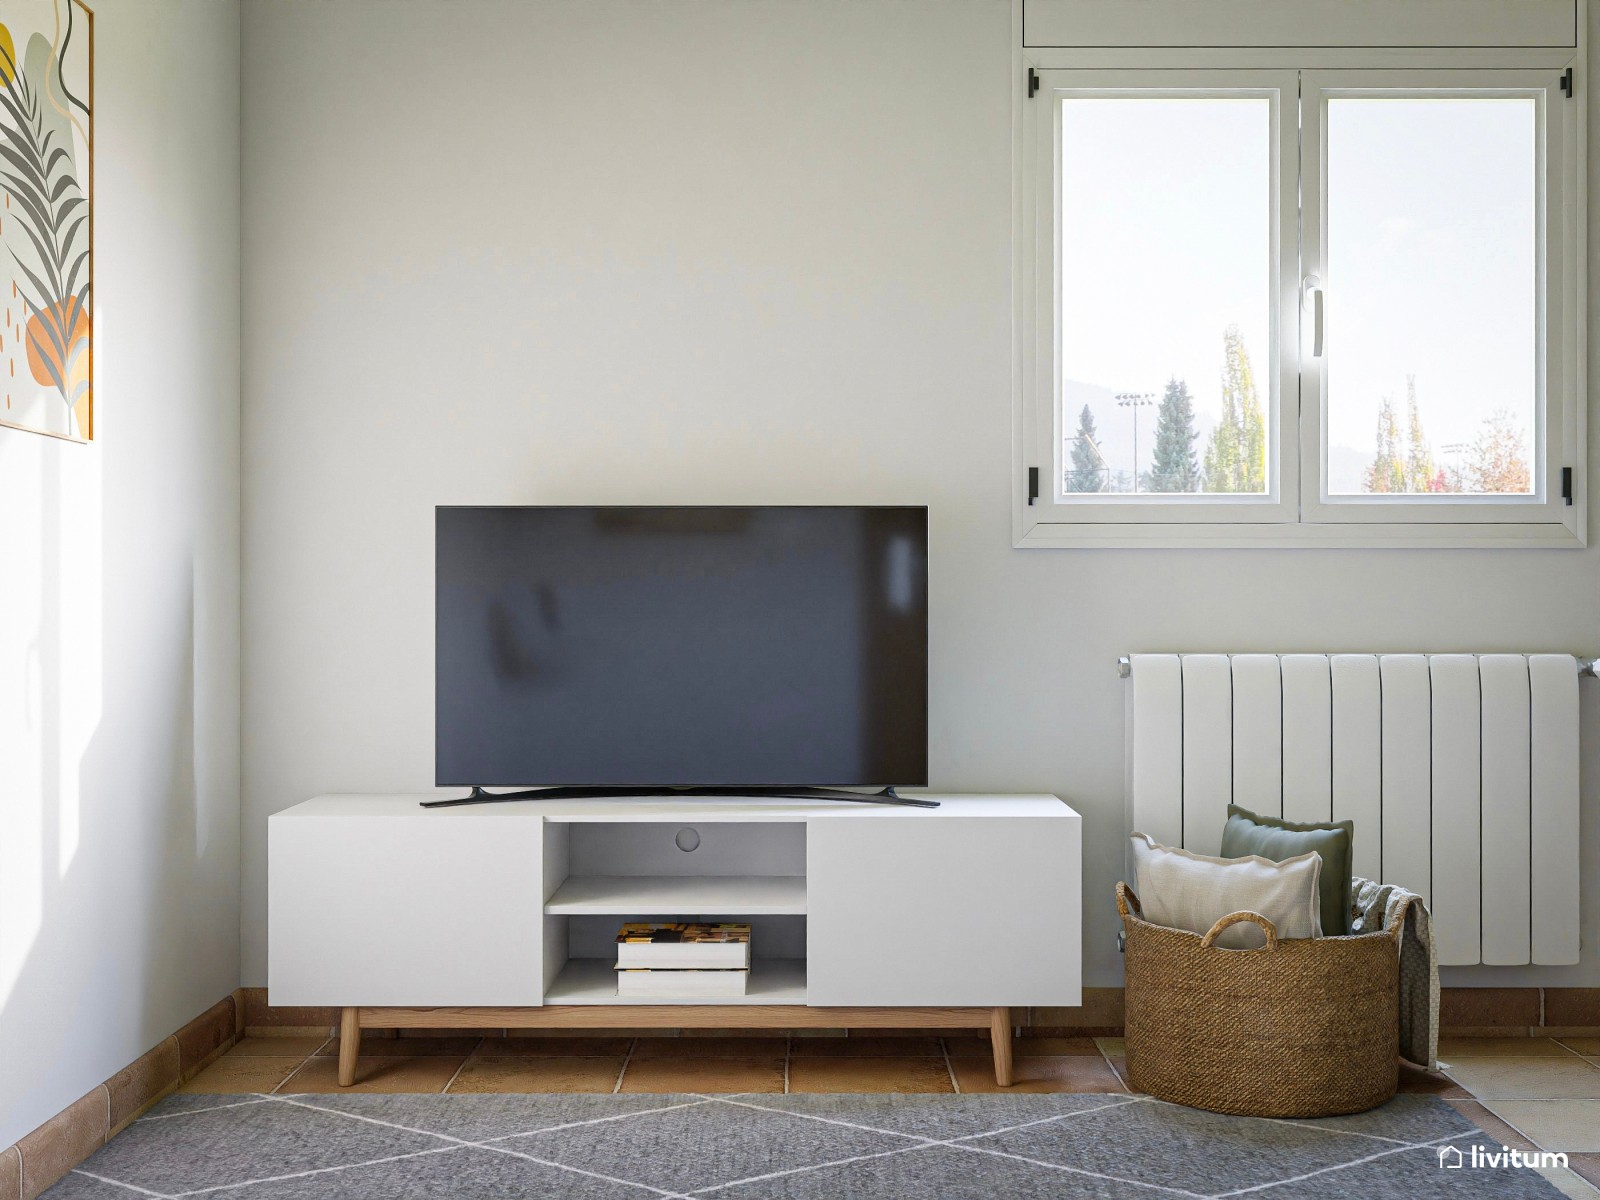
[1372, 907]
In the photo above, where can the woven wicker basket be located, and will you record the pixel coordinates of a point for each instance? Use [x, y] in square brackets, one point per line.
[1296, 1028]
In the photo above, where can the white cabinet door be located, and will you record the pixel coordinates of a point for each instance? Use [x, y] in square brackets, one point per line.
[417, 910]
[943, 911]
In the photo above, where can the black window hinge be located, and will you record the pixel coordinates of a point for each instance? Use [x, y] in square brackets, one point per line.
[1566, 485]
[1033, 484]
[1566, 82]
[1033, 82]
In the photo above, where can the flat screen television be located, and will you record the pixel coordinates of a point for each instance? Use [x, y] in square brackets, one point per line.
[674, 648]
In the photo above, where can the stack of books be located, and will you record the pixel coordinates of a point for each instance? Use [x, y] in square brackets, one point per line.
[699, 959]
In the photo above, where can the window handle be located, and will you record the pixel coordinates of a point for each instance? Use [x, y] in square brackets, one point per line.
[1313, 298]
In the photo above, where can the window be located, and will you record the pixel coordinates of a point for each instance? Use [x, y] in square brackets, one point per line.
[1401, 197]
[1301, 306]
[1157, 276]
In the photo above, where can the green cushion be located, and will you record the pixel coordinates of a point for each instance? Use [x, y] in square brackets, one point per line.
[1247, 833]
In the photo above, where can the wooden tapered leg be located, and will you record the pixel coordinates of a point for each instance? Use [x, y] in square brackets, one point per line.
[349, 1045]
[1000, 1036]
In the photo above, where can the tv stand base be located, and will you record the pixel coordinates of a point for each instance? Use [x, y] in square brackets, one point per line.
[884, 796]
[674, 1016]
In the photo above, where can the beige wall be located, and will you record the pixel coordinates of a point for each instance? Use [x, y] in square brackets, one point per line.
[739, 251]
[119, 597]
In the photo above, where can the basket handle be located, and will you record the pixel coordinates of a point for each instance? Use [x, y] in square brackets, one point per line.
[1127, 901]
[1267, 927]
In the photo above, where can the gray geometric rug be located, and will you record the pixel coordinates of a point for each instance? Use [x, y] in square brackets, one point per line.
[794, 1147]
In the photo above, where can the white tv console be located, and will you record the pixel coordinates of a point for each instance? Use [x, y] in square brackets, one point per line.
[504, 915]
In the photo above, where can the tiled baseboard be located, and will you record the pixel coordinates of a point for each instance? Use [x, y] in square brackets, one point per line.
[66, 1139]
[1464, 1012]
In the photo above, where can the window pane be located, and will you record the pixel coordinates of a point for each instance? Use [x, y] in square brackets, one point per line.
[1431, 302]
[1166, 282]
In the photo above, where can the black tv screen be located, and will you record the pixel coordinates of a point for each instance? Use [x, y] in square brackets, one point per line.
[681, 647]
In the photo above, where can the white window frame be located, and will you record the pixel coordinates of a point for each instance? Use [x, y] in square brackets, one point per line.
[1551, 447]
[1298, 512]
[1281, 502]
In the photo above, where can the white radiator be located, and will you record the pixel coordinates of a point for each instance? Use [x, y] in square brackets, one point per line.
[1460, 772]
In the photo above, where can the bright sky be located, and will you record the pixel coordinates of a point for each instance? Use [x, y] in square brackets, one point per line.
[1165, 242]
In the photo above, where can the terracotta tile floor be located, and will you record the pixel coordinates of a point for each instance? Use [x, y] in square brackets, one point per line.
[1525, 1092]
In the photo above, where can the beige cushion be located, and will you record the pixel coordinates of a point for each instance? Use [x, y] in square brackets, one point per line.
[1191, 891]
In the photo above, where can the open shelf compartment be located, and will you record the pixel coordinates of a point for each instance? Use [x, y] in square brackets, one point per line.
[658, 870]
[600, 875]
[581, 958]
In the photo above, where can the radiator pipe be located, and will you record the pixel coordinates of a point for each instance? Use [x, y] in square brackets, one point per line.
[1586, 666]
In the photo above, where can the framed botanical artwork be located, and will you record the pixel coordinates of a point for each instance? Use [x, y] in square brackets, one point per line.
[47, 217]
